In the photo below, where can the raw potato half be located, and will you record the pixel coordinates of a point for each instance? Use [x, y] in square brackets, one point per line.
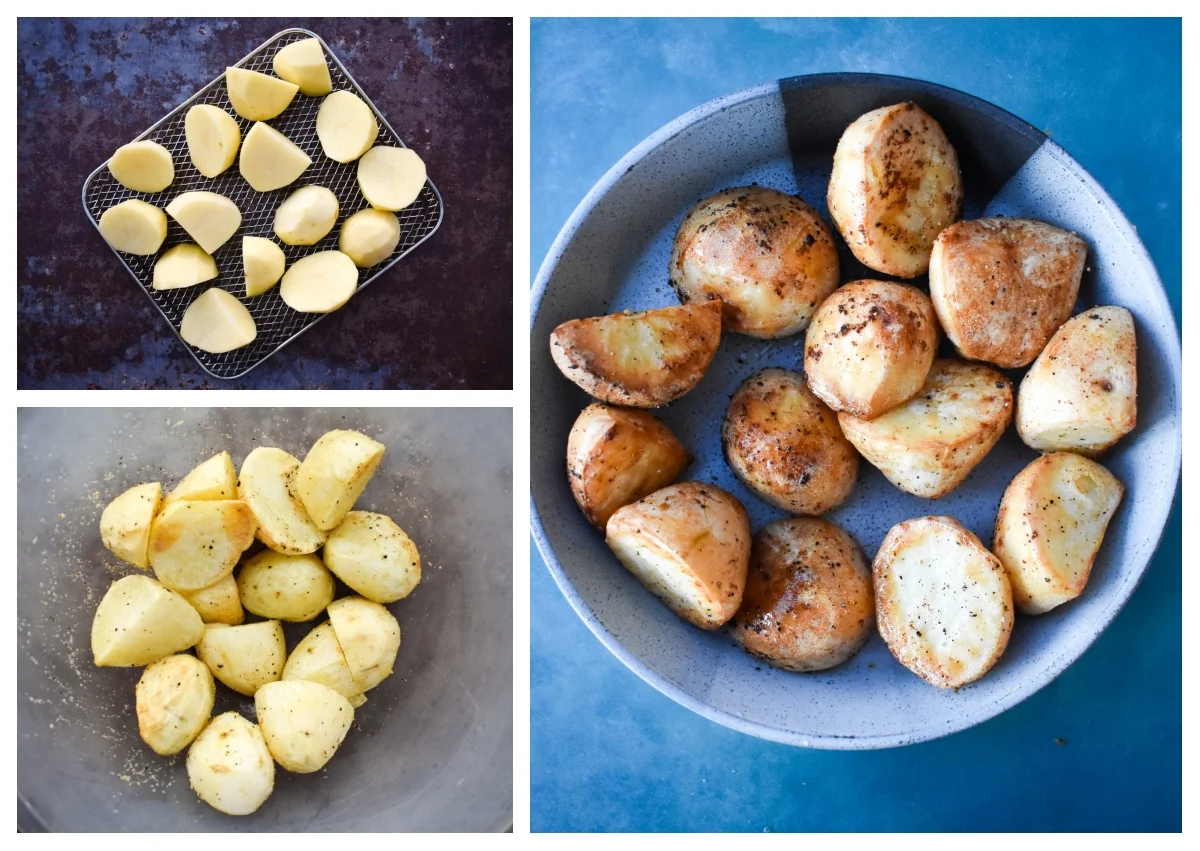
[334, 474]
[1051, 523]
[270, 160]
[391, 178]
[689, 544]
[303, 723]
[303, 63]
[245, 657]
[142, 166]
[293, 588]
[283, 524]
[229, 765]
[217, 322]
[214, 479]
[369, 637]
[642, 360]
[306, 216]
[258, 97]
[373, 556]
[134, 227]
[140, 621]
[347, 129]
[125, 523]
[263, 262]
[208, 218]
[183, 266]
[218, 603]
[369, 237]
[213, 138]
[318, 658]
[319, 283]
[174, 700]
[197, 543]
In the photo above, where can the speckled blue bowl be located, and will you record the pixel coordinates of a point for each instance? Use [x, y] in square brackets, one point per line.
[612, 255]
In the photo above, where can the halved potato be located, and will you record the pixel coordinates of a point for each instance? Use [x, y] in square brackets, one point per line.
[263, 263]
[391, 178]
[929, 444]
[346, 127]
[140, 621]
[183, 266]
[306, 216]
[174, 700]
[373, 556]
[287, 587]
[208, 218]
[258, 97]
[213, 138]
[689, 544]
[270, 160]
[303, 63]
[369, 637]
[229, 765]
[318, 658]
[244, 657]
[303, 723]
[334, 474]
[134, 227]
[125, 523]
[214, 479]
[142, 166]
[1050, 526]
[283, 524]
[217, 322]
[642, 360]
[194, 543]
[218, 603]
[319, 283]
[369, 237]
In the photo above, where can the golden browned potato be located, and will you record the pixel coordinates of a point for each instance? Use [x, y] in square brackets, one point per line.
[642, 360]
[1001, 287]
[218, 603]
[928, 445]
[174, 700]
[140, 621]
[895, 186]
[1080, 395]
[767, 256]
[373, 556]
[318, 658]
[265, 484]
[334, 474]
[808, 604]
[870, 347]
[785, 444]
[303, 723]
[616, 456]
[125, 523]
[214, 479]
[229, 765]
[195, 543]
[689, 544]
[1050, 526]
[369, 636]
[244, 657]
[292, 588]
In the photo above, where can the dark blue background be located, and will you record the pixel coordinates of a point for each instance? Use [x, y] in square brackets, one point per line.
[1099, 748]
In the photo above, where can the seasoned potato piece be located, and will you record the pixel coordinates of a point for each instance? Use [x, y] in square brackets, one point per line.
[269, 160]
[369, 237]
[870, 347]
[390, 178]
[283, 524]
[334, 474]
[303, 63]
[1080, 395]
[263, 262]
[767, 256]
[372, 555]
[928, 445]
[125, 523]
[183, 266]
[346, 127]
[245, 657]
[616, 456]
[303, 723]
[689, 544]
[306, 216]
[213, 138]
[258, 97]
[229, 765]
[943, 602]
[209, 218]
[142, 166]
[217, 322]
[369, 637]
[218, 603]
[319, 283]
[785, 444]
[134, 227]
[140, 621]
[288, 587]
[214, 479]
[318, 658]
[1050, 527]
[808, 603]
[642, 360]
[895, 186]
[174, 701]
[194, 543]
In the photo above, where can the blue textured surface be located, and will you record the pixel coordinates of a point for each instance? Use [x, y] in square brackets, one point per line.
[1099, 748]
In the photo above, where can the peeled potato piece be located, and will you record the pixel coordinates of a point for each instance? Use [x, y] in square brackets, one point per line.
[263, 262]
[134, 227]
[217, 322]
[303, 723]
[318, 658]
[183, 266]
[270, 160]
[390, 178]
[218, 603]
[245, 657]
[142, 166]
[196, 543]
[306, 216]
[334, 474]
[283, 524]
[373, 556]
[286, 587]
[174, 700]
[369, 637]
[347, 129]
[125, 523]
[209, 218]
[369, 237]
[229, 765]
[303, 63]
[213, 138]
[214, 479]
[258, 97]
[319, 283]
[140, 621]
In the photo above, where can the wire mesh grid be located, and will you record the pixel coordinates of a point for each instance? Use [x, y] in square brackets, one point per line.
[277, 324]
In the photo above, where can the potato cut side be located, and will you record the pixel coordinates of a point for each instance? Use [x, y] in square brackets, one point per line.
[270, 160]
[306, 216]
[209, 218]
[293, 588]
[229, 765]
[140, 621]
[263, 262]
[373, 556]
[334, 474]
[369, 237]
[283, 524]
[258, 97]
[303, 723]
[318, 658]
[369, 637]
[197, 543]
[134, 227]
[174, 700]
[143, 166]
[214, 479]
[391, 178]
[125, 523]
[303, 63]
[218, 603]
[347, 128]
[217, 322]
[183, 266]
[213, 138]
[245, 657]
[319, 283]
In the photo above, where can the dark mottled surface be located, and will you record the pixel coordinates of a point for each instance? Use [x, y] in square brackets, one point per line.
[440, 319]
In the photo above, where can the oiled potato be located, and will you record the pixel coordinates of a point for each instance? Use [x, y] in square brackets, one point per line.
[258, 97]
[943, 602]
[303, 63]
[218, 603]
[390, 178]
[174, 700]
[283, 524]
[244, 657]
[1001, 287]
[213, 138]
[870, 347]
[369, 237]
[369, 637]
[287, 587]
[785, 444]
[334, 474]
[303, 723]
[1050, 526]
[318, 658]
[929, 445]
[346, 127]
[142, 166]
[134, 227]
[808, 604]
[214, 479]
[229, 765]
[217, 322]
[373, 556]
[767, 256]
[140, 621]
[208, 218]
[1080, 395]
[616, 456]
[270, 160]
[895, 185]
[263, 262]
[183, 266]
[689, 544]
[194, 543]
[319, 283]
[306, 216]
[125, 523]
[642, 360]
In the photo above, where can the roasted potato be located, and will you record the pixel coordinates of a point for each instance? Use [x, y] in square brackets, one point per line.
[1050, 526]
[218, 603]
[768, 257]
[369, 636]
[303, 723]
[125, 523]
[283, 524]
[642, 360]
[229, 765]
[895, 186]
[139, 621]
[929, 444]
[285, 587]
[943, 602]
[195, 543]
[334, 474]
[1080, 395]
[689, 544]
[372, 555]
[214, 479]
[174, 700]
[808, 604]
[785, 444]
[244, 657]
[1001, 287]
[318, 658]
[870, 347]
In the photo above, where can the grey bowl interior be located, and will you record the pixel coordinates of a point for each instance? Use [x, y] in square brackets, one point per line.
[431, 750]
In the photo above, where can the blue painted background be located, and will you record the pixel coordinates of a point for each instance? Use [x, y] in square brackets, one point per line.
[1099, 748]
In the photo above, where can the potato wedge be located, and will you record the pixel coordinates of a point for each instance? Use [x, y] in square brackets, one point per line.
[306, 216]
[183, 266]
[689, 544]
[144, 166]
[334, 474]
[209, 218]
[217, 322]
[125, 523]
[283, 524]
[245, 657]
[292, 588]
[319, 283]
[229, 765]
[214, 479]
[269, 160]
[391, 178]
[263, 263]
[318, 658]
[174, 700]
[369, 637]
[369, 237]
[140, 621]
[303, 63]
[213, 138]
[373, 556]
[195, 543]
[346, 127]
[218, 603]
[134, 227]
[303, 723]
[258, 97]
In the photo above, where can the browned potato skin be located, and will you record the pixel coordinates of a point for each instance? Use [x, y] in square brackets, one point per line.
[616, 456]
[988, 305]
[583, 350]
[808, 603]
[767, 256]
[786, 446]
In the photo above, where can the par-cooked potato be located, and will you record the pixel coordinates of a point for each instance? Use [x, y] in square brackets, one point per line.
[174, 700]
[808, 603]
[213, 138]
[373, 556]
[214, 479]
[318, 658]
[208, 218]
[183, 266]
[125, 523]
[140, 621]
[283, 524]
[689, 544]
[642, 360]
[346, 127]
[369, 237]
[217, 322]
[319, 283]
[134, 227]
[943, 602]
[870, 347]
[929, 444]
[767, 256]
[303, 723]
[286, 587]
[306, 216]
[1080, 395]
[270, 160]
[194, 543]
[334, 474]
[258, 97]
[1050, 526]
[263, 262]
[218, 603]
[369, 637]
[391, 178]
[303, 63]
[616, 456]
[244, 657]
[895, 186]
[229, 765]
[142, 166]
[785, 444]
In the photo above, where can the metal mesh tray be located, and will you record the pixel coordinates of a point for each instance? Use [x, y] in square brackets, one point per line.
[277, 323]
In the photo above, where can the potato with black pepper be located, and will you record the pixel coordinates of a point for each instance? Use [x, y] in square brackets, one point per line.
[244, 657]
[318, 658]
[214, 479]
[218, 603]
[140, 621]
[334, 474]
[293, 588]
[369, 636]
[195, 543]
[302, 722]
[265, 483]
[125, 523]
[229, 765]
[374, 556]
[174, 700]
